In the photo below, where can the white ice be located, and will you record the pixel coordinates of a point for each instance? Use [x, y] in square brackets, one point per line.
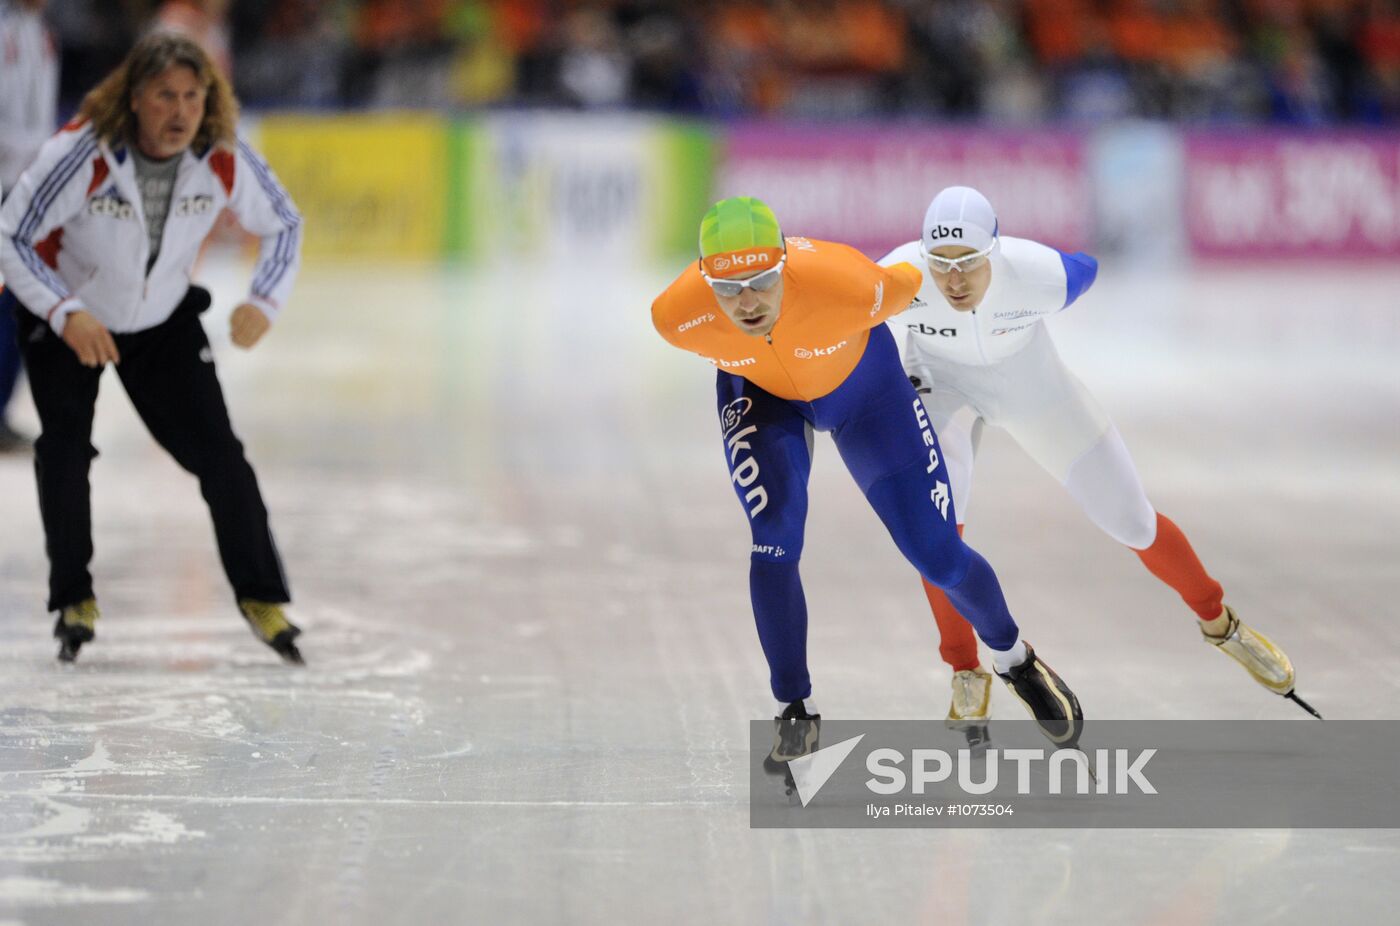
[522, 575]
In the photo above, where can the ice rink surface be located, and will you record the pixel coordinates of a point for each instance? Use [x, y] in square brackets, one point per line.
[522, 574]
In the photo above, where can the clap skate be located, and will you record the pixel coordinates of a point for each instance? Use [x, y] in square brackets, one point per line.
[76, 625]
[1266, 663]
[1055, 708]
[271, 626]
[795, 734]
[969, 709]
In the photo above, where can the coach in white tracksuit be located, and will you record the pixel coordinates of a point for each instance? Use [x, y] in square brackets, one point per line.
[97, 244]
[975, 346]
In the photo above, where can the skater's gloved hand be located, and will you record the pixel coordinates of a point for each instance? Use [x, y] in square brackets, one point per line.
[90, 340]
[247, 325]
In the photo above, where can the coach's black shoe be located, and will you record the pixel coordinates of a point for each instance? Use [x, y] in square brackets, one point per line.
[271, 626]
[77, 624]
[1048, 698]
[795, 734]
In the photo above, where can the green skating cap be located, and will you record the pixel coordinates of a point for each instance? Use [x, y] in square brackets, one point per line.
[737, 235]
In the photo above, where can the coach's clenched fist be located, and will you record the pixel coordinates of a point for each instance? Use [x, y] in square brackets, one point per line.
[90, 340]
[247, 325]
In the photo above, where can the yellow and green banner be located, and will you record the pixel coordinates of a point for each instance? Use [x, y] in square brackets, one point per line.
[367, 185]
[423, 186]
[578, 186]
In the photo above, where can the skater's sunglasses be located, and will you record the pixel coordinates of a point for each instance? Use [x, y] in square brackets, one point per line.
[964, 264]
[759, 282]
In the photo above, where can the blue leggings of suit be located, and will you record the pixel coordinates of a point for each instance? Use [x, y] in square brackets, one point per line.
[888, 446]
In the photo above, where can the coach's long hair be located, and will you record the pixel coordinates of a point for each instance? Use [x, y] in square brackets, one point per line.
[108, 105]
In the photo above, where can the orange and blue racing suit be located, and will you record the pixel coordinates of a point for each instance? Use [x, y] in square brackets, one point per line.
[828, 364]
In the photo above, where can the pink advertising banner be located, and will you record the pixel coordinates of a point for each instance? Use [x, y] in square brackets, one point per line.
[869, 186]
[1293, 195]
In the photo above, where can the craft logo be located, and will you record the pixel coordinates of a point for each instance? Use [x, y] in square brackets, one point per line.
[879, 299]
[768, 549]
[695, 322]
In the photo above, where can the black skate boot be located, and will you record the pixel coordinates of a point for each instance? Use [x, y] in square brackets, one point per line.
[1048, 698]
[795, 734]
[76, 625]
[271, 626]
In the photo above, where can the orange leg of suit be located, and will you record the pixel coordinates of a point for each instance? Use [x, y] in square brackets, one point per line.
[1170, 558]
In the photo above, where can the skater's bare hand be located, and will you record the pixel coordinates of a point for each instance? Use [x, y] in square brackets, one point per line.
[91, 341]
[248, 325]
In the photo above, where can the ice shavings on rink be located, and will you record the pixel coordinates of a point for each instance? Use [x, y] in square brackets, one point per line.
[37, 892]
[522, 574]
[82, 740]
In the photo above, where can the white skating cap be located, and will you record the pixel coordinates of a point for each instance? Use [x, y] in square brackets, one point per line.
[960, 215]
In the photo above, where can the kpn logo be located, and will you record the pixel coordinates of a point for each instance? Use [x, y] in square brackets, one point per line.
[895, 772]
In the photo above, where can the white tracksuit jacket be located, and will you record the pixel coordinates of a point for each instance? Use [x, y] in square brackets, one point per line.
[73, 236]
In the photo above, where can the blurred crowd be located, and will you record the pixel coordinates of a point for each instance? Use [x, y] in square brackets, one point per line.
[1288, 61]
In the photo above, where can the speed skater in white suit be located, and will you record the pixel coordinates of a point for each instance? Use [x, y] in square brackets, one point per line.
[975, 349]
